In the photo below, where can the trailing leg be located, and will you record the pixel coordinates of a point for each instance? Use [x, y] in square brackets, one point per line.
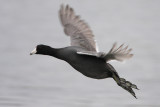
[125, 84]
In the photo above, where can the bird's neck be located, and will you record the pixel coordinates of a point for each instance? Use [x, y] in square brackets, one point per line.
[55, 52]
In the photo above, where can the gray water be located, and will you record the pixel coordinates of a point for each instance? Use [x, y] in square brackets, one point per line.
[43, 81]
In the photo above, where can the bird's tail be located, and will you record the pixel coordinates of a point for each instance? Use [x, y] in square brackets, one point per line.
[125, 84]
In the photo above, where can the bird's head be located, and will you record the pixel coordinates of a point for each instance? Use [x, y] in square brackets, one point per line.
[40, 49]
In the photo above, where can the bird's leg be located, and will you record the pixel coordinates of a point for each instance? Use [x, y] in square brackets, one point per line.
[125, 84]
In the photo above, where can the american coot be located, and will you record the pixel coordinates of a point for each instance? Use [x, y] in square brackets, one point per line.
[82, 55]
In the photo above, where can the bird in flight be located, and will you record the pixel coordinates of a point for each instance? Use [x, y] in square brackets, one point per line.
[83, 55]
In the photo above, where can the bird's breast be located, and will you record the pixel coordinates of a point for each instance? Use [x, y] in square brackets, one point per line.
[90, 67]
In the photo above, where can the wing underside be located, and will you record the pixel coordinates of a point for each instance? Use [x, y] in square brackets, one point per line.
[79, 31]
[119, 54]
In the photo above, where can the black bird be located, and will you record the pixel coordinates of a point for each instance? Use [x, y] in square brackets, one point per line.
[82, 55]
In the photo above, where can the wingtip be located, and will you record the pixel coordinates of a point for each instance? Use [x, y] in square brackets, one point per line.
[67, 6]
[62, 6]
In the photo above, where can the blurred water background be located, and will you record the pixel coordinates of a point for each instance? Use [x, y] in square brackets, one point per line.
[43, 81]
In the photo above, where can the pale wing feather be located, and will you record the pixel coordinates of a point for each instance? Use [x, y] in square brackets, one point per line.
[79, 32]
[90, 53]
[119, 54]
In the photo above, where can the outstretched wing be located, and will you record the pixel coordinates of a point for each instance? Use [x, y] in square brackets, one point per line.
[119, 54]
[79, 32]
